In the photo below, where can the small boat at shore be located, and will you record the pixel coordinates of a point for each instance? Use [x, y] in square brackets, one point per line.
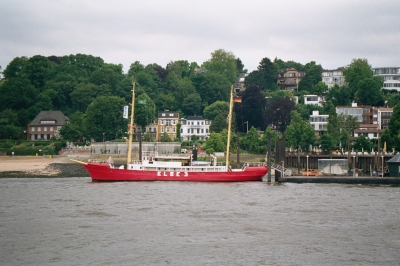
[178, 167]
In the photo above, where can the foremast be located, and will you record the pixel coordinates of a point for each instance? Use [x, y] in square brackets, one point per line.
[229, 129]
[129, 158]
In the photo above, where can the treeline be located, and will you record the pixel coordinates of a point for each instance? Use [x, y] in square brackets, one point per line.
[92, 92]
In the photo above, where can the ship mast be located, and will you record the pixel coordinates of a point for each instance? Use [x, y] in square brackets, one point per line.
[229, 128]
[129, 158]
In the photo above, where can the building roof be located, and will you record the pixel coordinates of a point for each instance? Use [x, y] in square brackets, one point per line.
[395, 159]
[57, 116]
[195, 117]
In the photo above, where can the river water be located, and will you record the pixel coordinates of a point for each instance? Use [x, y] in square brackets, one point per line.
[72, 221]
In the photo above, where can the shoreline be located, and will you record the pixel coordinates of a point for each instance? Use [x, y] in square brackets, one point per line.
[39, 167]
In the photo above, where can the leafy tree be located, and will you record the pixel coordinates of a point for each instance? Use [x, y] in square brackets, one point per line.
[17, 93]
[339, 95]
[15, 68]
[166, 102]
[312, 78]
[250, 141]
[394, 127]
[362, 143]
[358, 70]
[265, 76]
[327, 142]
[274, 138]
[82, 96]
[251, 109]
[37, 69]
[215, 142]
[278, 113]
[145, 110]
[320, 88]
[333, 128]
[72, 130]
[192, 104]
[349, 123]
[165, 137]
[214, 87]
[299, 134]
[104, 115]
[216, 108]
[224, 63]
[305, 110]
[219, 123]
[369, 91]
[135, 67]
[239, 66]
[393, 100]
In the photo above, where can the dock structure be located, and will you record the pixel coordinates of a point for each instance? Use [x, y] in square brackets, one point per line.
[342, 180]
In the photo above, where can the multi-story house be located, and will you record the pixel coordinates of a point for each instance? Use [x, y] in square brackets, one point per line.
[368, 114]
[363, 113]
[195, 126]
[239, 83]
[319, 122]
[370, 131]
[167, 123]
[47, 124]
[289, 80]
[314, 99]
[332, 77]
[390, 75]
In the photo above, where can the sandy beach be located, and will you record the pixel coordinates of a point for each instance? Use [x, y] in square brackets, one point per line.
[24, 166]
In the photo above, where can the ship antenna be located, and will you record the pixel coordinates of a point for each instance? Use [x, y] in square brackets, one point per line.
[229, 128]
[130, 129]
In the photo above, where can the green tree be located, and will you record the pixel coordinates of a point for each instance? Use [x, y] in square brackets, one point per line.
[104, 115]
[36, 69]
[216, 108]
[278, 113]
[250, 141]
[349, 123]
[312, 78]
[165, 137]
[215, 142]
[333, 128]
[145, 110]
[265, 76]
[299, 134]
[72, 130]
[339, 95]
[192, 104]
[214, 87]
[362, 143]
[251, 109]
[394, 127]
[358, 70]
[224, 63]
[369, 92]
[219, 123]
[327, 143]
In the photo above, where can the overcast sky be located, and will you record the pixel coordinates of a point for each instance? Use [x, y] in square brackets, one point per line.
[331, 33]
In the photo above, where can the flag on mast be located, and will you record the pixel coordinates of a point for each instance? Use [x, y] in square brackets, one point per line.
[237, 99]
[125, 112]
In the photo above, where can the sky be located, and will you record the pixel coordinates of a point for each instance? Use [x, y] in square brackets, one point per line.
[331, 33]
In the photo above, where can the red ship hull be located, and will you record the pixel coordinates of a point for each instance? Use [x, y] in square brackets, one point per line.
[101, 172]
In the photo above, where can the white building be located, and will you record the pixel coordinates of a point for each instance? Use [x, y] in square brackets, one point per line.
[370, 131]
[314, 99]
[319, 122]
[352, 110]
[195, 126]
[390, 75]
[332, 77]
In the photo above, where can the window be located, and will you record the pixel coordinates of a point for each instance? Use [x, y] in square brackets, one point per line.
[168, 122]
[162, 129]
[45, 129]
[163, 114]
[188, 130]
[39, 129]
[33, 129]
[51, 128]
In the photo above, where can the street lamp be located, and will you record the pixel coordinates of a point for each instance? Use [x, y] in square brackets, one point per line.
[307, 164]
[382, 165]
[354, 165]
[103, 136]
[283, 168]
